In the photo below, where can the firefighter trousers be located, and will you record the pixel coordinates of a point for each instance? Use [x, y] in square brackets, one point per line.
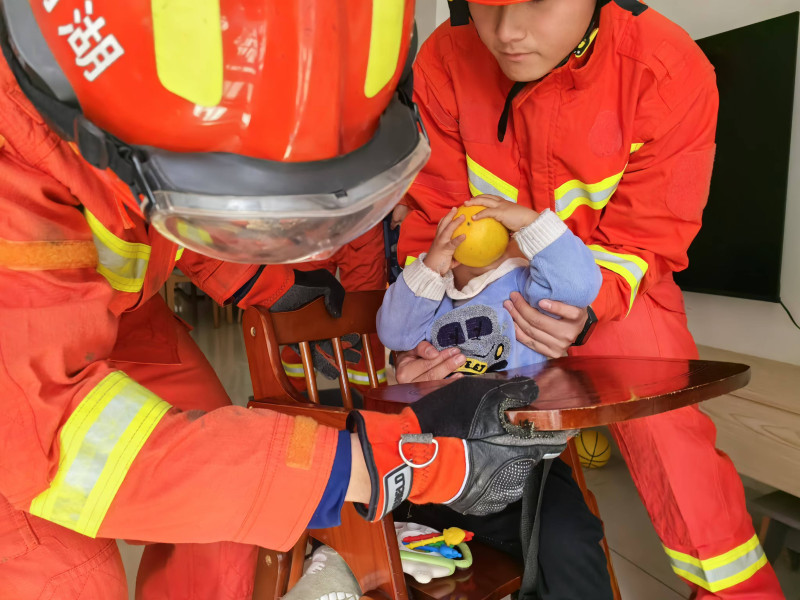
[691, 490]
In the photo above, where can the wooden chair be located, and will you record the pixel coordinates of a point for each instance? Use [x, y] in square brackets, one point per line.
[370, 549]
[217, 310]
[171, 286]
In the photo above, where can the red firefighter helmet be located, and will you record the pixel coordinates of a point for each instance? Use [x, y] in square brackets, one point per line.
[255, 130]
[459, 9]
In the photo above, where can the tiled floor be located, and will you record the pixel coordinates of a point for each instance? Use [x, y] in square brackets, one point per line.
[640, 564]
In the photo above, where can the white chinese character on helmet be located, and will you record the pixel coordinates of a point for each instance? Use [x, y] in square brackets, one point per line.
[88, 44]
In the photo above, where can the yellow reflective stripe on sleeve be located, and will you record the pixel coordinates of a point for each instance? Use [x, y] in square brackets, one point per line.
[723, 571]
[358, 377]
[98, 444]
[293, 369]
[179, 253]
[362, 377]
[187, 40]
[384, 44]
[122, 263]
[635, 147]
[409, 260]
[632, 268]
[576, 193]
[482, 181]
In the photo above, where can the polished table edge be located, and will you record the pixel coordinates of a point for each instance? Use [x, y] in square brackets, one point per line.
[394, 398]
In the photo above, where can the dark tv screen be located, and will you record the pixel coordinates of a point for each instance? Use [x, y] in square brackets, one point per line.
[738, 250]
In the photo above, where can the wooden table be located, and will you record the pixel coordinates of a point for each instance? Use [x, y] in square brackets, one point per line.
[581, 392]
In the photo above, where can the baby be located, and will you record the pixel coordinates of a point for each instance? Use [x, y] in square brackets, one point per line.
[450, 304]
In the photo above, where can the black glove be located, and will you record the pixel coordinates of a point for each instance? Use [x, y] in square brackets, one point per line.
[324, 359]
[501, 455]
[308, 286]
[415, 454]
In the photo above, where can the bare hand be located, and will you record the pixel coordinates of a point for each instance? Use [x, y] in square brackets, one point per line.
[399, 214]
[440, 255]
[513, 216]
[540, 332]
[425, 363]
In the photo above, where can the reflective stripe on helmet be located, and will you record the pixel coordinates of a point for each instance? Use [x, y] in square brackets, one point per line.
[384, 44]
[98, 444]
[187, 39]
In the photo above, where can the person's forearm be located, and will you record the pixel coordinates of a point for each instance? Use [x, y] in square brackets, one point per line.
[405, 317]
[360, 488]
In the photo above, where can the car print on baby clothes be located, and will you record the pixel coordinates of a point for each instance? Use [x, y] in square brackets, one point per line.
[475, 329]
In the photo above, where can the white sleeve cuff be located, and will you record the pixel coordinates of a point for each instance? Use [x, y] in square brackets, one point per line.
[425, 282]
[537, 236]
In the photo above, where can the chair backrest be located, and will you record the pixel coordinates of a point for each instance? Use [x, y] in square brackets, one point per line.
[266, 332]
[370, 549]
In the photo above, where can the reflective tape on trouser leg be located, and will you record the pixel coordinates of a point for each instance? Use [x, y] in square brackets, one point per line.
[723, 571]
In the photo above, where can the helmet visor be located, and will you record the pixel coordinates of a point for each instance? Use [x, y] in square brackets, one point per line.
[282, 228]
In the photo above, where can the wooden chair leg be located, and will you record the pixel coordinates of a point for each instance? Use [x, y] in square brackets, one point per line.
[215, 314]
[371, 552]
[298, 557]
[193, 296]
[169, 294]
[272, 575]
[571, 457]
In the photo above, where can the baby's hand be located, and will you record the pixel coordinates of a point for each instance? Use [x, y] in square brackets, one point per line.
[513, 216]
[440, 255]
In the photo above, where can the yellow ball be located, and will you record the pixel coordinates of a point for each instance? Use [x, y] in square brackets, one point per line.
[594, 449]
[485, 241]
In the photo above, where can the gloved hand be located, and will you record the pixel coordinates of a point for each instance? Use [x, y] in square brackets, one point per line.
[453, 447]
[308, 286]
[324, 358]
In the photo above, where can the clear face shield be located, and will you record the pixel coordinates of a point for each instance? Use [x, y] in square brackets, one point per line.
[241, 209]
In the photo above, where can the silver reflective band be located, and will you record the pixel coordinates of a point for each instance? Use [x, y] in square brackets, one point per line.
[122, 263]
[282, 229]
[483, 181]
[593, 197]
[630, 266]
[720, 572]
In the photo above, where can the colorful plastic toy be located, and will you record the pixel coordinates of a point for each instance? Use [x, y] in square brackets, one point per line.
[425, 566]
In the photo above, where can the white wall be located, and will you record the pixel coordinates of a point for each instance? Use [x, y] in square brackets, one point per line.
[429, 14]
[746, 326]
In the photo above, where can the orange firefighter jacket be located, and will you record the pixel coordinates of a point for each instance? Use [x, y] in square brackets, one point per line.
[81, 443]
[618, 142]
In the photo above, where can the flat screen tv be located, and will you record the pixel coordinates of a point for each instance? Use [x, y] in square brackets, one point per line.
[738, 250]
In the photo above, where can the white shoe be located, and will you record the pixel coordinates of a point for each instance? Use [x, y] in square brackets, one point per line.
[324, 571]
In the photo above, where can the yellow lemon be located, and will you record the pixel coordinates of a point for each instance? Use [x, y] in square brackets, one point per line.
[485, 241]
